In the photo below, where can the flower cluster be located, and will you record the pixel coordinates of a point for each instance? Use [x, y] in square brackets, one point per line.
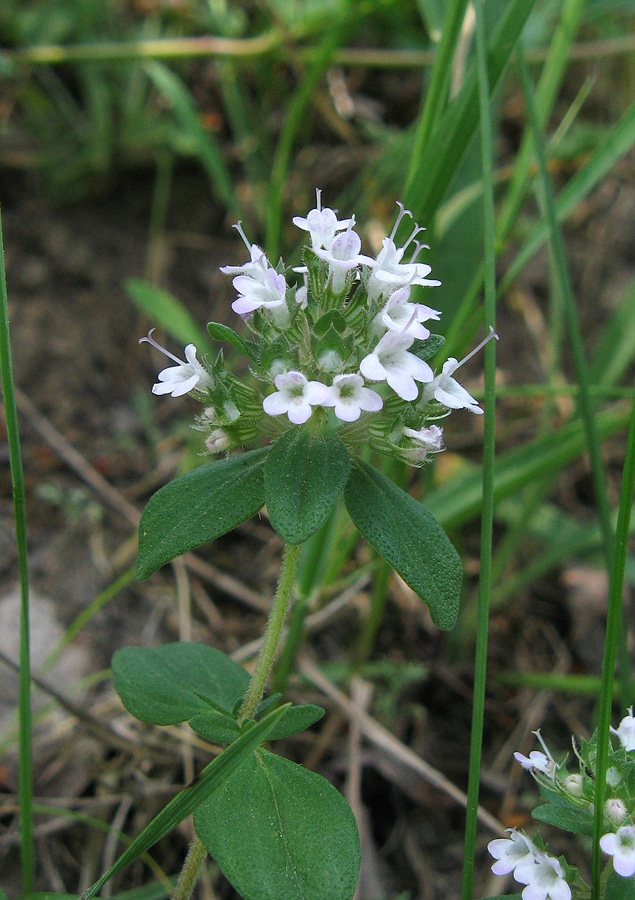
[542, 874]
[573, 792]
[348, 342]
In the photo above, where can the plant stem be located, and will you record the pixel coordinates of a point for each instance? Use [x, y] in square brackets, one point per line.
[272, 635]
[25, 771]
[190, 871]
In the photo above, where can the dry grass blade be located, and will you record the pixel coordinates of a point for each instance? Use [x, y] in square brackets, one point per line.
[381, 737]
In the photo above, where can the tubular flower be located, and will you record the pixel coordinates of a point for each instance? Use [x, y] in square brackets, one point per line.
[399, 315]
[544, 877]
[349, 397]
[621, 846]
[625, 732]
[447, 391]
[322, 225]
[296, 397]
[181, 378]
[510, 852]
[391, 362]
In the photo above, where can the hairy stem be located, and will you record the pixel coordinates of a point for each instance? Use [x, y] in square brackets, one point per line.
[272, 635]
[190, 871]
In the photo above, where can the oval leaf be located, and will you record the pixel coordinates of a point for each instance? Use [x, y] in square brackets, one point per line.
[225, 333]
[215, 727]
[304, 475]
[296, 719]
[619, 888]
[299, 831]
[199, 507]
[166, 685]
[409, 538]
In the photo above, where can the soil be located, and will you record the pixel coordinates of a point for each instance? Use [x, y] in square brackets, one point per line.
[79, 366]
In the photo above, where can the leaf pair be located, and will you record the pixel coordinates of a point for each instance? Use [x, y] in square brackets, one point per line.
[300, 835]
[193, 683]
[300, 478]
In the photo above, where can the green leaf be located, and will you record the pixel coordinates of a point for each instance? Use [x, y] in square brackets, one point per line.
[300, 833]
[438, 163]
[199, 507]
[210, 780]
[296, 719]
[430, 347]
[164, 310]
[577, 821]
[408, 537]
[618, 888]
[225, 333]
[304, 475]
[166, 685]
[215, 727]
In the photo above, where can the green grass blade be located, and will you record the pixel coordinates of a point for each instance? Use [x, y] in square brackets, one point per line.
[615, 145]
[571, 317]
[456, 128]
[546, 93]
[210, 779]
[164, 310]
[487, 518]
[616, 348]
[613, 621]
[17, 482]
[178, 97]
[439, 82]
[460, 500]
[294, 119]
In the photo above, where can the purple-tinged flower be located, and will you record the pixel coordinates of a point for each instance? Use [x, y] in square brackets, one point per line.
[265, 289]
[296, 397]
[510, 852]
[322, 225]
[391, 362]
[621, 846]
[184, 376]
[625, 731]
[389, 272]
[399, 315]
[257, 261]
[342, 256]
[218, 441]
[349, 397]
[544, 877]
[425, 441]
[446, 389]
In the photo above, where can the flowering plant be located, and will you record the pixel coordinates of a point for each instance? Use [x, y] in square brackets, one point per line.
[569, 804]
[339, 364]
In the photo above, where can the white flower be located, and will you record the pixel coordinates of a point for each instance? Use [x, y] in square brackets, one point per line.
[349, 397]
[388, 270]
[536, 760]
[626, 731]
[544, 877]
[615, 811]
[258, 257]
[184, 376]
[426, 441]
[295, 396]
[399, 315]
[218, 441]
[511, 852]
[447, 391]
[391, 362]
[322, 225]
[621, 846]
[342, 256]
[264, 289]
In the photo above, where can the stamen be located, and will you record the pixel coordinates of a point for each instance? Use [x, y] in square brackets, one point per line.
[418, 248]
[416, 231]
[492, 334]
[402, 212]
[239, 229]
[539, 736]
[318, 199]
[410, 321]
[150, 340]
